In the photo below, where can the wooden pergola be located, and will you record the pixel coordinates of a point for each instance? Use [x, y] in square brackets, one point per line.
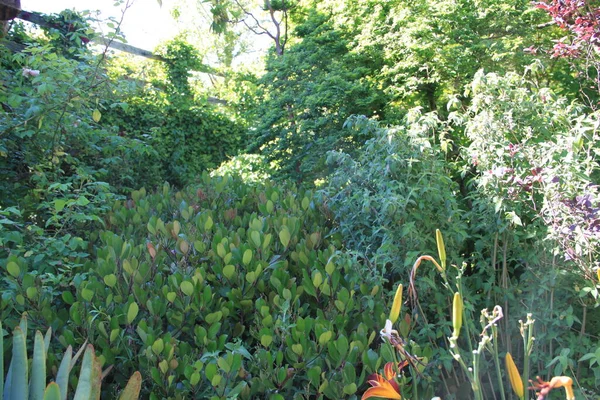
[38, 19]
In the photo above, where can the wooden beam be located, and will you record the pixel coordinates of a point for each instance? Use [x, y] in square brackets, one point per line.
[214, 100]
[127, 48]
[12, 46]
[35, 18]
[38, 19]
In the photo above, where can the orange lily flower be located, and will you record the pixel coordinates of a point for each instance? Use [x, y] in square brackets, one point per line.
[384, 386]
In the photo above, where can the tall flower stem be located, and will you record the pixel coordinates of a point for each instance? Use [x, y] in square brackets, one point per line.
[476, 382]
[528, 339]
[497, 361]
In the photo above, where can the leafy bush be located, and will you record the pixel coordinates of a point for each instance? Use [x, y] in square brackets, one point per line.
[388, 199]
[59, 169]
[223, 289]
[189, 138]
[535, 153]
[306, 95]
[537, 167]
[250, 168]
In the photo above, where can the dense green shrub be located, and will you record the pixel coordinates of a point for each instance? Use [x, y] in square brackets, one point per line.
[306, 95]
[535, 154]
[250, 168]
[189, 139]
[219, 290]
[188, 136]
[59, 169]
[389, 199]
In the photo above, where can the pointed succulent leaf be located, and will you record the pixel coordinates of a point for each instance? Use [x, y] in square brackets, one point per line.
[52, 392]
[37, 383]
[132, 390]
[77, 355]
[84, 386]
[96, 379]
[47, 340]
[19, 389]
[62, 377]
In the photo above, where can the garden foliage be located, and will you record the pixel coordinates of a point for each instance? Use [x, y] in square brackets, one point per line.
[188, 137]
[221, 290]
[306, 95]
[396, 190]
[129, 220]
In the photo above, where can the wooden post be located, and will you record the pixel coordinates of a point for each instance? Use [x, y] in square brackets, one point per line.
[8, 11]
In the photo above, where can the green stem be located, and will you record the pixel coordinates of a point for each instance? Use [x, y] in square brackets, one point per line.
[476, 384]
[528, 347]
[415, 386]
[497, 361]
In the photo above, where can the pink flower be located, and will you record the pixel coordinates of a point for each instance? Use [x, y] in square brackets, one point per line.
[30, 72]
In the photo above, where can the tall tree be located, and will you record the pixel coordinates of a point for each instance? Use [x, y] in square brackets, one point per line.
[434, 48]
[270, 18]
[308, 93]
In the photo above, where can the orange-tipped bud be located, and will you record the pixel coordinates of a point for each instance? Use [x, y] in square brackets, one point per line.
[567, 383]
[544, 388]
[514, 377]
[457, 312]
[441, 248]
[396, 305]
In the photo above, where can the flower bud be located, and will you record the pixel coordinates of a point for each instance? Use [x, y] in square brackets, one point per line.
[513, 376]
[457, 312]
[396, 305]
[441, 248]
[566, 382]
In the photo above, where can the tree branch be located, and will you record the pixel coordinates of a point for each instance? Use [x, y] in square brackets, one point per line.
[256, 21]
[277, 39]
[253, 30]
[545, 25]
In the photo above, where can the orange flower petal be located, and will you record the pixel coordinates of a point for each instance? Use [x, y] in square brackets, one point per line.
[566, 382]
[386, 391]
[375, 379]
[394, 385]
[402, 365]
[388, 371]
